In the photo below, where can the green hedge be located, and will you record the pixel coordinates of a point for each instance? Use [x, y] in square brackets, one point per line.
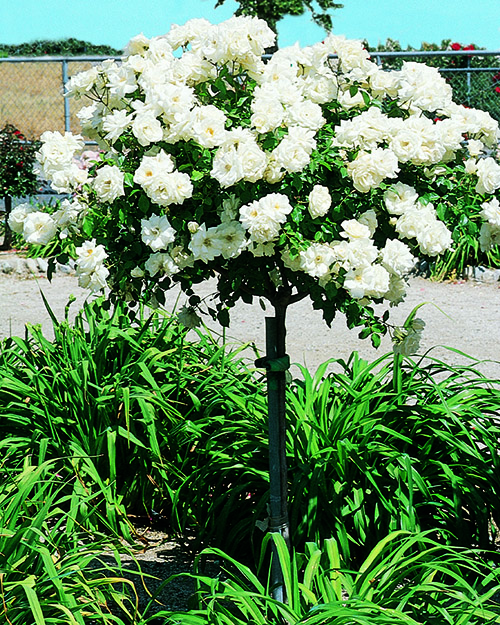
[59, 47]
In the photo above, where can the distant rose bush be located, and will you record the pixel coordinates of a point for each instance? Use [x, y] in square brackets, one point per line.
[314, 173]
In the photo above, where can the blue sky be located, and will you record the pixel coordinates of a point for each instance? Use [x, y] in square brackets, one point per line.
[114, 22]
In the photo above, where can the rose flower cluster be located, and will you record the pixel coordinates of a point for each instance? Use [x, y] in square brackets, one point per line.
[313, 170]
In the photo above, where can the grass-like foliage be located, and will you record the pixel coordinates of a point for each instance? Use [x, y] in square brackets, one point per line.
[394, 445]
[152, 423]
[116, 399]
[378, 447]
[51, 568]
[396, 459]
[406, 579]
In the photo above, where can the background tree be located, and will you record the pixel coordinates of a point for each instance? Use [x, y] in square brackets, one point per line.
[272, 11]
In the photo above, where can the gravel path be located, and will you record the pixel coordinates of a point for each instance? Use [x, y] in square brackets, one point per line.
[461, 315]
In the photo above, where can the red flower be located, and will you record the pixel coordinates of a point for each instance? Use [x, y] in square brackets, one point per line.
[456, 46]
[471, 46]
[497, 89]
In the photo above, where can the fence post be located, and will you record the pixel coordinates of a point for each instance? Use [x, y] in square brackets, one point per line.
[468, 81]
[67, 122]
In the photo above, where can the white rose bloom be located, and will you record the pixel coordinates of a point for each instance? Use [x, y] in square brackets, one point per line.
[424, 87]
[192, 68]
[173, 99]
[348, 101]
[152, 168]
[396, 257]
[179, 36]
[317, 259]
[279, 72]
[491, 212]
[57, 150]
[477, 124]
[227, 167]
[450, 134]
[157, 232]
[121, 80]
[320, 89]
[354, 229]
[351, 52]
[262, 222]
[434, 239]
[147, 129]
[369, 219]
[486, 237]
[94, 280]
[276, 205]
[415, 219]
[206, 244]
[420, 141]
[68, 179]
[488, 172]
[406, 145]
[38, 228]
[289, 91]
[294, 151]
[273, 172]
[137, 45]
[115, 124]
[295, 263]
[356, 253]
[159, 50]
[267, 112]
[253, 160]
[208, 126]
[180, 187]
[471, 165]
[370, 281]
[397, 290]
[82, 83]
[18, 215]
[399, 198]
[108, 183]
[68, 217]
[320, 201]
[306, 114]
[366, 130]
[369, 169]
[233, 238]
[474, 147]
[384, 83]
[162, 263]
[89, 256]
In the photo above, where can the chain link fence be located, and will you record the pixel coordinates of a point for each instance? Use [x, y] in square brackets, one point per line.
[32, 93]
[31, 89]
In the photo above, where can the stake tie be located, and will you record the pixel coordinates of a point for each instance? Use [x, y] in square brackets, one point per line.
[273, 364]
